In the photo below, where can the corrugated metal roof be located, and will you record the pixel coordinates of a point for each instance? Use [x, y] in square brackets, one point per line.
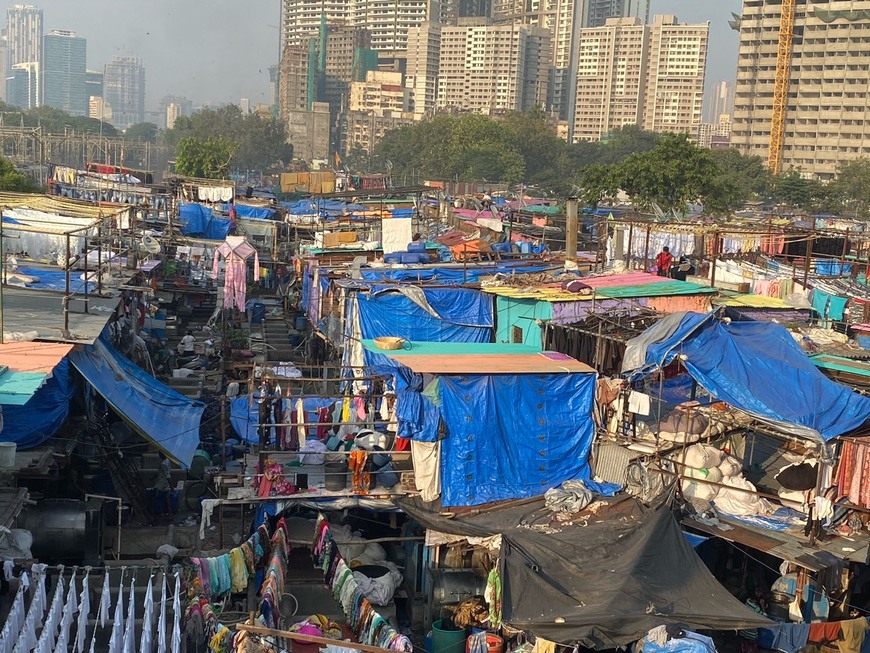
[542, 362]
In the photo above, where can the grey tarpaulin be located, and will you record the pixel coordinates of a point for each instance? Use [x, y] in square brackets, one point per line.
[628, 570]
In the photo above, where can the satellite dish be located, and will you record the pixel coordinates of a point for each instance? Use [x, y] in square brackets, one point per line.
[150, 244]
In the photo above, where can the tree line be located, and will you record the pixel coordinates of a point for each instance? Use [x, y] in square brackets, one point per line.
[665, 170]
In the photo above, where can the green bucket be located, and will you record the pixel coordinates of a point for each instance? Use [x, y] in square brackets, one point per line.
[447, 641]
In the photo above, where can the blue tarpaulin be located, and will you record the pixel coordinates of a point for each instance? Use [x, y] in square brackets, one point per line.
[756, 367]
[514, 436]
[449, 276]
[320, 207]
[56, 280]
[36, 421]
[244, 415]
[170, 420]
[461, 315]
[198, 221]
[253, 212]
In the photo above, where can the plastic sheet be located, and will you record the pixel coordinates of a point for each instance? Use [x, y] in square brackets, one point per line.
[756, 367]
[514, 436]
[36, 421]
[198, 221]
[170, 420]
[464, 315]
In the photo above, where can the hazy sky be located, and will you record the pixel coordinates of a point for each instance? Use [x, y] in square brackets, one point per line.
[220, 50]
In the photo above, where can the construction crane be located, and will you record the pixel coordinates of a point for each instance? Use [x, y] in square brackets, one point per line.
[780, 86]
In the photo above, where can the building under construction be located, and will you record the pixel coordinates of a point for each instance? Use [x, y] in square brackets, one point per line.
[802, 84]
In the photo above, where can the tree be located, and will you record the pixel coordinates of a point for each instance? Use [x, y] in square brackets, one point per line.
[209, 158]
[670, 176]
[852, 186]
[738, 179]
[599, 182]
[143, 131]
[793, 190]
[13, 180]
[261, 140]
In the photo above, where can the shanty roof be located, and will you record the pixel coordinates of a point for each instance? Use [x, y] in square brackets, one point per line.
[42, 311]
[752, 301]
[612, 286]
[476, 358]
[24, 367]
[58, 205]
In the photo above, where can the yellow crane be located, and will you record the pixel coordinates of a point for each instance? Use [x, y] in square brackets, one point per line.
[780, 86]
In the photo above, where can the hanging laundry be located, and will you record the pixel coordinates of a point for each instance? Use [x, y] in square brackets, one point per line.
[161, 621]
[84, 613]
[147, 618]
[116, 639]
[176, 616]
[236, 251]
[105, 602]
[129, 645]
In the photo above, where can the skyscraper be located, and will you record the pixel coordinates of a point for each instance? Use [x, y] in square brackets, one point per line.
[630, 73]
[124, 90]
[421, 72]
[94, 83]
[22, 85]
[64, 81]
[721, 100]
[24, 34]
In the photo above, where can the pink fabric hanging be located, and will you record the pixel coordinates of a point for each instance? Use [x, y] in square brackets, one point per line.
[236, 251]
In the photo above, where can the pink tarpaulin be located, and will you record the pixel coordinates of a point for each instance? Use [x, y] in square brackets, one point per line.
[627, 279]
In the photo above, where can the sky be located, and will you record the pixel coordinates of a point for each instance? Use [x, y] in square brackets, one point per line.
[218, 51]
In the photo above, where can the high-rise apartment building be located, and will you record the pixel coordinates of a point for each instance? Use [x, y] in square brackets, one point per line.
[4, 63]
[596, 12]
[173, 112]
[561, 18]
[381, 91]
[295, 78]
[421, 68]
[64, 79]
[124, 90]
[387, 21]
[491, 69]
[99, 109]
[826, 121]
[630, 73]
[24, 34]
[675, 75]
[348, 58]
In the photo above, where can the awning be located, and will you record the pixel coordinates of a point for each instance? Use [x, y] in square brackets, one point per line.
[25, 366]
[166, 418]
[757, 367]
[602, 581]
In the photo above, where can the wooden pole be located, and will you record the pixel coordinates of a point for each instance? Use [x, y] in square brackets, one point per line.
[843, 255]
[630, 237]
[808, 258]
[715, 256]
[224, 433]
[66, 297]
[646, 250]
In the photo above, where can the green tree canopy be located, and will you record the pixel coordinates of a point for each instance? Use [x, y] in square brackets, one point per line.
[204, 157]
[54, 121]
[143, 131]
[852, 187]
[738, 179]
[13, 180]
[261, 140]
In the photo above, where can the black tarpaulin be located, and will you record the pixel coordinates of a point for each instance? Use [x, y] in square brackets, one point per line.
[603, 584]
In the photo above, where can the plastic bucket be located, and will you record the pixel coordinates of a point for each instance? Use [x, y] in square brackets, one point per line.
[301, 322]
[7, 454]
[258, 313]
[335, 476]
[494, 644]
[447, 641]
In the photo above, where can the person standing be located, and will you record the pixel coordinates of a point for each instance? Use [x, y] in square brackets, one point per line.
[663, 262]
[163, 483]
[188, 343]
[749, 636]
